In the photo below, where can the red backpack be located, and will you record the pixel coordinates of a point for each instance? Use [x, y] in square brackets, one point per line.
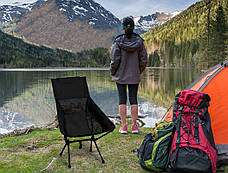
[193, 147]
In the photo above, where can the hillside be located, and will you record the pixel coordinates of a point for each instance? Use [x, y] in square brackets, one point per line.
[69, 25]
[145, 23]
[72, 25]
[183, 39]
[15, 52]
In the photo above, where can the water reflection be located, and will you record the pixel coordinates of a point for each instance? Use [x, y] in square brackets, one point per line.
[26, 97]
[159, 86]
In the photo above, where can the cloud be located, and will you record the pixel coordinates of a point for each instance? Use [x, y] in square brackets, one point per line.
[122, 8]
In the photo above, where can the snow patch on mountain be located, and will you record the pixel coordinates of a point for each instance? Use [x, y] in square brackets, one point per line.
[145, 23]
[16, 10]
[90, 11]
[84, 10]
[175, 13]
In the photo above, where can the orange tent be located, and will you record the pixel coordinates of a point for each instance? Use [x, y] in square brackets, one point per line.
[214, 82]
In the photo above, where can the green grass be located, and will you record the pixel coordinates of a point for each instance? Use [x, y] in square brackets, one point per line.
[33, 152]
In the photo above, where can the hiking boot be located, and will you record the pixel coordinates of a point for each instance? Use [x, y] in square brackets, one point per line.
[123, 130]
[134, 129]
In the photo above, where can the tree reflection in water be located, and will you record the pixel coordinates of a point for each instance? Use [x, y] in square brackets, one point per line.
[159, 86]
[29, 96]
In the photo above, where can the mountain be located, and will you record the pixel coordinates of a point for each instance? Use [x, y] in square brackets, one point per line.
[90, 11]
[183, 40]
[73, 24]
[9, 13]
[145, 23]
[70, 24]
[85, 10]
[16, 52]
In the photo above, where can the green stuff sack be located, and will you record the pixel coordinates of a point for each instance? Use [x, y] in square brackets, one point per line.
[154, 151]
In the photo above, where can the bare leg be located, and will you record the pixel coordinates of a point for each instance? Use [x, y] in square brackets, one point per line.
[134, 113]
[123, 113]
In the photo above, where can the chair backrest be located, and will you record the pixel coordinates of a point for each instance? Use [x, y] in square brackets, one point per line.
[71, 87]
[77, 113]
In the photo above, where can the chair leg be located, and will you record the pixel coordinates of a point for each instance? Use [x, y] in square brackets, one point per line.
[99, 151]
[80, 145]
[91, 146]
[68, 145]
[62, 150]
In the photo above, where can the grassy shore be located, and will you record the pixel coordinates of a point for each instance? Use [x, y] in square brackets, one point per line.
[33, 152]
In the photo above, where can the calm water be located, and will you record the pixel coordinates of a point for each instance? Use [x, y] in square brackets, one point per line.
[26, 97]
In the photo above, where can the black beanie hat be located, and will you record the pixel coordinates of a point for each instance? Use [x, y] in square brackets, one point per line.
[128, 23]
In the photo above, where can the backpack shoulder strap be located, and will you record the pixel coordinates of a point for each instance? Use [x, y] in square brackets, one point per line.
[178, 125]
[196, 130]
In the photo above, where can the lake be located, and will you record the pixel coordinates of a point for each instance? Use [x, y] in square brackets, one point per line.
[26, 95]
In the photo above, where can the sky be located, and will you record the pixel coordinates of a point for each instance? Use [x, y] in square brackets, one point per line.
[123, 8]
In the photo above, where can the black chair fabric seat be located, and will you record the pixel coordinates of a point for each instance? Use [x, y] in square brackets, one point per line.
[77, 113]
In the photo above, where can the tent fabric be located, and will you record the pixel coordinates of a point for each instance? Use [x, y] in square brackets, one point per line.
[203, 79]
[214, 82]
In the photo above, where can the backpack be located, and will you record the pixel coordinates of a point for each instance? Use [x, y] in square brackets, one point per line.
[154, 151]
[193, 147]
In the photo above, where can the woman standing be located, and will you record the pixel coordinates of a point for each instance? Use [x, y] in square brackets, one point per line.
[128, 60]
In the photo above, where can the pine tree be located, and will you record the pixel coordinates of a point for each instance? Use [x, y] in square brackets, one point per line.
[154, 59]
[218, 38]
[205, 40]
[226, 32]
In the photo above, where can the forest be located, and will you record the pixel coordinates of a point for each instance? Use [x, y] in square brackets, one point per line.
[17, 53]
[197, 37]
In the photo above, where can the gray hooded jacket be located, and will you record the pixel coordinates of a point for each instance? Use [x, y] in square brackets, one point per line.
[128, 59]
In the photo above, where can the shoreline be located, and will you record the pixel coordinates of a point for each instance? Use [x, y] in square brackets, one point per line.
[53, 69]
[18, 132]
[73, 68]
[54, 125]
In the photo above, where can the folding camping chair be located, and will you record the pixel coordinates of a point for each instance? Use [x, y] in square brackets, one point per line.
[77, 113]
